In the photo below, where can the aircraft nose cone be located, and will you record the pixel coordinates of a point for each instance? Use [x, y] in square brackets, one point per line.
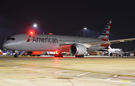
[11, 45]
[5, 45]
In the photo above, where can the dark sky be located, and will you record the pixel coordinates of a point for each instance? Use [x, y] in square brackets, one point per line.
[68, 17]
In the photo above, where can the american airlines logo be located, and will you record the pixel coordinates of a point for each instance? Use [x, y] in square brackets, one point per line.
[43, 40]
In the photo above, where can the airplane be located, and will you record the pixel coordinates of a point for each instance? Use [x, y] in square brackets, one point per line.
[77, 46]
[111, 51]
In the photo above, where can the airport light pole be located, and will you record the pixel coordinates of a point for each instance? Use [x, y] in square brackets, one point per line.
[33, 28]
[35, 25]
[84, 31]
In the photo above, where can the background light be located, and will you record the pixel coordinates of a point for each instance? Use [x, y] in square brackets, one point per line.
[84, 31]
[85, 28]
[35, 25]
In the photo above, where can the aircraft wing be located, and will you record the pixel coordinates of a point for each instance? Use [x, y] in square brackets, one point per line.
[65, 47]
[112, 41]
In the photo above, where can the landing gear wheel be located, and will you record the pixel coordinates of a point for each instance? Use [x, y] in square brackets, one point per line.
[16, 55]
[79, 56]
[111, 54]
[59, 55]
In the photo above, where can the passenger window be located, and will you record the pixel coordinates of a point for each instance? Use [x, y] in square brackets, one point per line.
[12, 38]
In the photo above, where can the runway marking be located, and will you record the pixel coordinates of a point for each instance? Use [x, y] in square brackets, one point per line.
[17, 81]
[108, 79]
[76, 70]
[115, 75]
[83, 74]
[60, 72]
[124, 81]
[111, 77]
[121, 81]
[71, 82]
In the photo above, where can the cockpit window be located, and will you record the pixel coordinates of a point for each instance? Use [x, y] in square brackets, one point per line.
[10, 38]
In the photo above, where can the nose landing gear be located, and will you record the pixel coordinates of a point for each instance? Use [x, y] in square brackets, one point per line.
[16, 53]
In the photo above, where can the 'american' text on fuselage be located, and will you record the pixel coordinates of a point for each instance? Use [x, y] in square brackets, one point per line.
[45, 40]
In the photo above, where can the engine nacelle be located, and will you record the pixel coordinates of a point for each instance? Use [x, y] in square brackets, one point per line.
[77, 49]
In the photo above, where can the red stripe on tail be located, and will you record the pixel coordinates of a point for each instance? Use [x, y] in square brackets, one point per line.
[104, 45]
[108, 29]
[104, 39]
[107, 34]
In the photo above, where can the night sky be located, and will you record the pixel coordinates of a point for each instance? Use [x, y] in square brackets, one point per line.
[68, 17]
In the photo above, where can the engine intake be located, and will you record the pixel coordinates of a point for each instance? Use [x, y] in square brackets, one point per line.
[77, 49]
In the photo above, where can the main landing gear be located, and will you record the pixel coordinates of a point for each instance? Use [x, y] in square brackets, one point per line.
[59, 55]
[79, 56]
[16, 55]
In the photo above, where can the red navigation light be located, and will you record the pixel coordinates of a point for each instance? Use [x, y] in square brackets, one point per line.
[31, 33]
[56, 52]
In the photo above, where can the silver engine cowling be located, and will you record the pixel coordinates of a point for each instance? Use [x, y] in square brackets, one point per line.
[77, 49]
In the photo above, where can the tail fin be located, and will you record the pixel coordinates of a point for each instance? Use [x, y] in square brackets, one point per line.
[109, 47]
[106, 31]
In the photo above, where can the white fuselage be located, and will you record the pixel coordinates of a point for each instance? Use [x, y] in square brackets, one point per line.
[113, 50]
[41, 42]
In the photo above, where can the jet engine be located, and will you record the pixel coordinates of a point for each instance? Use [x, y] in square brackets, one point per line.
[77, 49]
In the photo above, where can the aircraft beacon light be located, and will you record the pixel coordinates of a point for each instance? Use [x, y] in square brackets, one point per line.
[31, 32]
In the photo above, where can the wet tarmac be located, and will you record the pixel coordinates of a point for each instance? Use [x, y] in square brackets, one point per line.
[67, 71]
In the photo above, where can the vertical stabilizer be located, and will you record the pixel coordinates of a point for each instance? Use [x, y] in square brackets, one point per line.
[109, 47]
[105, 34]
